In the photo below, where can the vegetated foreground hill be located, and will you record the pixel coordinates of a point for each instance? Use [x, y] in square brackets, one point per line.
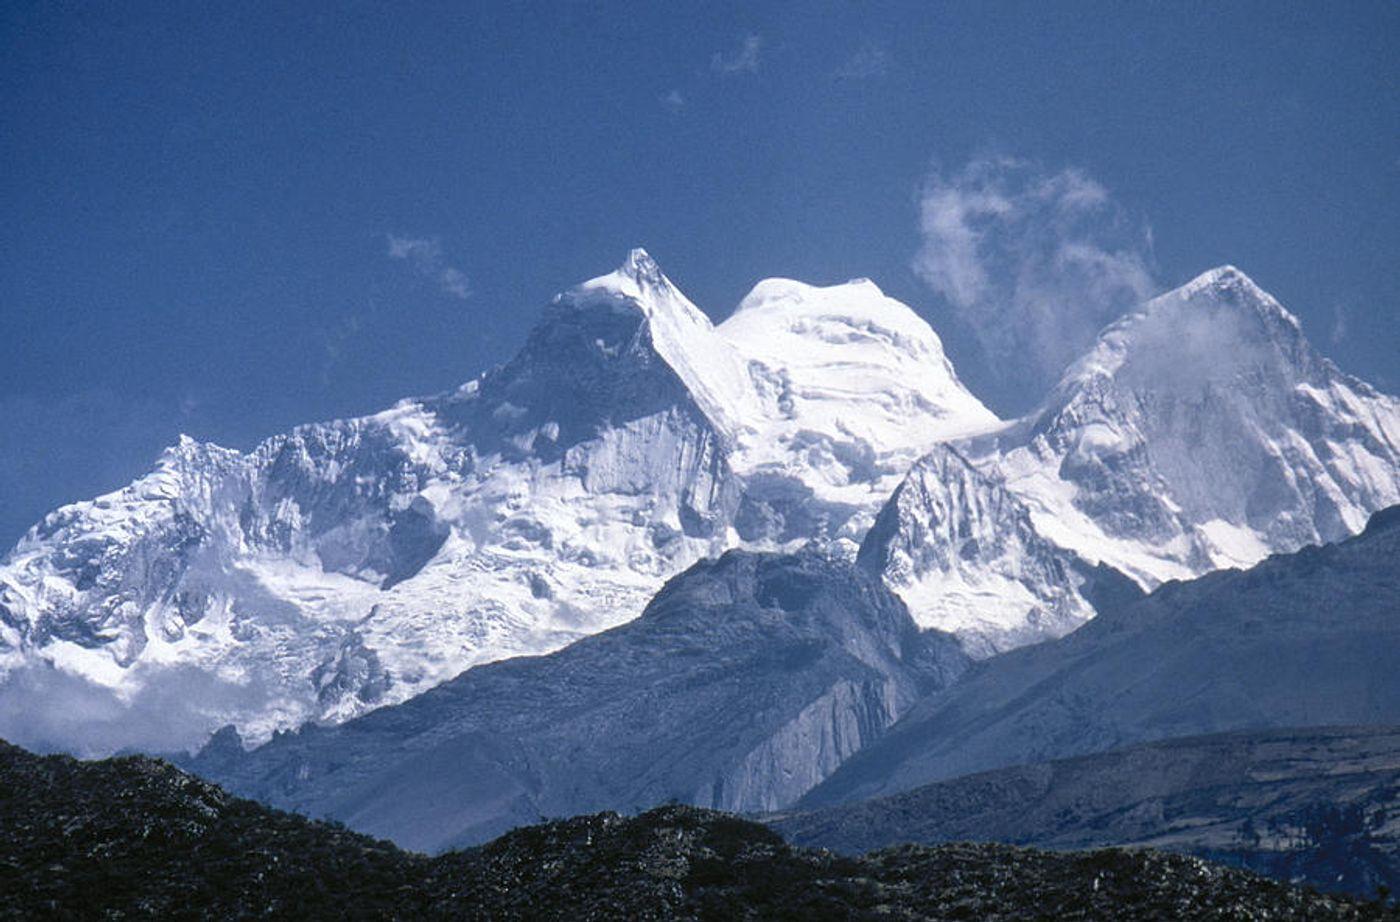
[1318, 806]
[135, 836]
[1304, 639]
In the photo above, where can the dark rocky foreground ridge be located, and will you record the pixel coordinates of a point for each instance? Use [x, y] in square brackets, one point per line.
[135, 837]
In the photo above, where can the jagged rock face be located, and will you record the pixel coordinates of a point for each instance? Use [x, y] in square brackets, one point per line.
[351, 564]
[963, 554]
[1305, 639]
[746, 681]
[1202, 431]
[118, 565]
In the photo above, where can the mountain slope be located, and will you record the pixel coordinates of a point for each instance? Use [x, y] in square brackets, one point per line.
[351, 563]
[853, 387]
[1201, 431]
[745, 682]
[1304, 639]
[135, 837]
[962, 552]
[347, 565]
[1308, 805]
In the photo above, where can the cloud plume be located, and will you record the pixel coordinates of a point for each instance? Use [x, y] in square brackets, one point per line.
[1034, 262]
[868, 60]
[742, 60]
[1340, 325]
[424, 256]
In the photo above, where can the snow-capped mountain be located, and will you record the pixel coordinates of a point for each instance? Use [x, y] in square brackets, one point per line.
[1201, 431]
[351, 564]
[756, 680]
[960, 550]
[347, 565]
[852, 388]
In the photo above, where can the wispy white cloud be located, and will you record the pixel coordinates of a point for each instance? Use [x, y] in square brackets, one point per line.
[336, 340]
[424, 256]
[867, 61]
[1340, 327]
[673, 100]
[46, 709]
[741, 60]
[1035, 262]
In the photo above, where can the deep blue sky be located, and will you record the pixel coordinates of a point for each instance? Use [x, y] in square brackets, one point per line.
[197, 200]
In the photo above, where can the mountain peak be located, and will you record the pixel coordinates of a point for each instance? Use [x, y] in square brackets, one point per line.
[1203, 430]
[848, 358]
[1226, 274]
[639, 279]
[1230, 286]
[1211, 328]
[641, 267]
[637, 306]
[188, 450]
[856, 297]
[837, 317]
[638, 285]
